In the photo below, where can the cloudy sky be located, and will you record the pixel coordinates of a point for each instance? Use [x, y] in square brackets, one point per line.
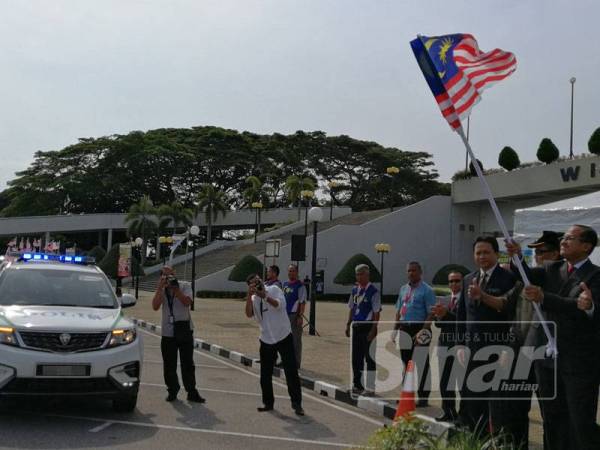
[72, 69]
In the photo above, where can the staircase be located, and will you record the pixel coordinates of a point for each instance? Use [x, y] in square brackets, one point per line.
[222, 258]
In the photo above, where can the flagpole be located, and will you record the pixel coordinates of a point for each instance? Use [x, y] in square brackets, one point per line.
[467, 152]
[551, 349]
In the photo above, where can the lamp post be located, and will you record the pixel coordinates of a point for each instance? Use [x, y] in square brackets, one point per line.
[315, 215]
[307, 196]
[389, 173]
[194, 234]
[257, 206]
[137, 244]
[382, 249]
[164, 241]
[572, 81]
[332, 185]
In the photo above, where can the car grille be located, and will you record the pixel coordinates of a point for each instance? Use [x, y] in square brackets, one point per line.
[59, 387]
[79, 342]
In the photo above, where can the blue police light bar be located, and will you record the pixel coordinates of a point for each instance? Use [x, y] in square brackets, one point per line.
[52, 257]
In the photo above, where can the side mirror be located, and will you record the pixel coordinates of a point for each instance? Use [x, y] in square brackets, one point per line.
[128, 300]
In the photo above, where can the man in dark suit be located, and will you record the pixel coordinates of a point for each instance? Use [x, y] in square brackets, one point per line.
[569, 294]
[484, 300]
[445, 314]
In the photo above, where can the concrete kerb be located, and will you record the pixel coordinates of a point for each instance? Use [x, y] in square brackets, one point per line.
[379, 407]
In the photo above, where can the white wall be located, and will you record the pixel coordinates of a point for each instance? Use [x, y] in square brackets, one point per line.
[418, 232]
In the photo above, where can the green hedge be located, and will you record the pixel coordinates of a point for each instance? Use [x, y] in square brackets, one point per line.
[346, 275]
[248, 265]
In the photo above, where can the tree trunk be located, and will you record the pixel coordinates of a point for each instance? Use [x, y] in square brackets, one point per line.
[209, 225]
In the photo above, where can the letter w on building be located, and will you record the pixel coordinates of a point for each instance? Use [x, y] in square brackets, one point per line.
[568, 173]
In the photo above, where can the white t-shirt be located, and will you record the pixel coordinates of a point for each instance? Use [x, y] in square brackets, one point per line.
[274, 322]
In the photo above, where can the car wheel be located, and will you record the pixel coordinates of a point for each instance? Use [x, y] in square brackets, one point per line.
[126, 403]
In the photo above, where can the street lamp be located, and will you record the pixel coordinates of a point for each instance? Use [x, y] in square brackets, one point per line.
[194, 234]
[390, 172]
[382, 249]
[572, 81]
[257, 206]
[315, 215]
[137, 244]
[164, 241]
[307, 196]
[332, 185]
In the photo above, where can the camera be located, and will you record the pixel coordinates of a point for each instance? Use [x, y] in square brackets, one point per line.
[172, 281]
[259, 285]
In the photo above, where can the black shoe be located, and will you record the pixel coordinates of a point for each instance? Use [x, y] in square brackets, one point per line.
[357, 390]
[171, 397]
[265, 408]
[422, 404]
[195, 397]
[298, 410]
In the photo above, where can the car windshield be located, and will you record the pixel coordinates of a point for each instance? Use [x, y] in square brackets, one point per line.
[51, 287]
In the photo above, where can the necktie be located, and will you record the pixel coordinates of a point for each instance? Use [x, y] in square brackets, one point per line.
[570, 268]
[483, 281]
[452, 302]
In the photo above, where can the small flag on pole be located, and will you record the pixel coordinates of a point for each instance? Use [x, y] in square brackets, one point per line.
[457, 71]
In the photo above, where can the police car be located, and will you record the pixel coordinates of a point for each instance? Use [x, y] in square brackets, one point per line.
[62, 332]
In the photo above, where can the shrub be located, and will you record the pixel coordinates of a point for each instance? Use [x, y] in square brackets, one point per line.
[346, 275]
[97, 252]
[508, 159]
[547, 151]
[248, 265]
[594, 142]
[441, 276]
[461, 175]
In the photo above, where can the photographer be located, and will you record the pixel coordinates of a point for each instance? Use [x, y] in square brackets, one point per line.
[177, 334]
[267, 305]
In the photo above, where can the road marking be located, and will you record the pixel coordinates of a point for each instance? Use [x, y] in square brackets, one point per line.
[201, 430]
[305, 395]
[252, 394]
[101, 427]
[204, 366]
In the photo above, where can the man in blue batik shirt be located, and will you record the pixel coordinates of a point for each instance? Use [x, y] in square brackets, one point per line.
[365, 306]
[295, 300]
[413, 316]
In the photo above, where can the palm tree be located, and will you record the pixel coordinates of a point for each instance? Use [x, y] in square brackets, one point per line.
[254, 191]
[211, 202]
[140, 221]
[176, 214]
[294, 185]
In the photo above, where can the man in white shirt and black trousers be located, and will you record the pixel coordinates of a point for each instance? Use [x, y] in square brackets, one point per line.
[177, 334]
[267, 305]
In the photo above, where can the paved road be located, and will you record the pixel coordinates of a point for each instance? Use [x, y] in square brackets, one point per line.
[227, 421]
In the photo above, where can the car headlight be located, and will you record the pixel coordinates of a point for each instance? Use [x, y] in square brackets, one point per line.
[122, 337]
[7, 336]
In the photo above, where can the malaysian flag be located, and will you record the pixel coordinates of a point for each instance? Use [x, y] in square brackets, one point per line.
[457, 71]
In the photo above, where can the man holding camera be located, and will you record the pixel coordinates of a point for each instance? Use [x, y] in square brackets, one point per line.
[267, 305]
[177, 334]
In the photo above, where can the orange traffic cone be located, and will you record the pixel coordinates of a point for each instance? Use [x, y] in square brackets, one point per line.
[406, 404]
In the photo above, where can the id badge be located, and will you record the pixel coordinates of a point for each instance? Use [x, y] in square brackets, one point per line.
[171, 320]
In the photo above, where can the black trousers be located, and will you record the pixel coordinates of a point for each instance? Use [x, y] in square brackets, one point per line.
[268, 356]
[447, 386]
[361, 355]
[422, 368]
[169, 348]
[569, 419]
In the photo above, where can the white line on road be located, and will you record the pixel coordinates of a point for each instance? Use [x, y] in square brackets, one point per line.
[203, 366]
[201, 430]
[253, 394]
[316, 399]
[101, 427]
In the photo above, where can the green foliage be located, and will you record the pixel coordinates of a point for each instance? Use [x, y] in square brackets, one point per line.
[441, 276]
[547, 151]
[412, 433]
[461, 175]
[248, 265]
[594, 142]
[347, 276]
[97, 252]
[211, 201]
[175, 214]
[110, 263]
[109, 174]
[508, 159]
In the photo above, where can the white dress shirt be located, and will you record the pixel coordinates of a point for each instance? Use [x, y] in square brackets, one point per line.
[273, 320]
